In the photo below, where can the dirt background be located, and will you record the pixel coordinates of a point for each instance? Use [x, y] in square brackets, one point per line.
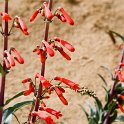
[93, 49]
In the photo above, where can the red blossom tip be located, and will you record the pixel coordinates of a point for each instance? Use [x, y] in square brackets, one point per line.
[22, 24]
[62, 52]
[57, 114]
[44, 82]
[18, 56]
[5, 16]
[43, 116]
[47, 11]
[67, 17]
[34, 15]
[8, 66]
[26, 80]
[10, 58]
[120, 107]
[30, 90]
[120, 96]
[65, 44]
[49, 48]
[73, 85]
[60, 95]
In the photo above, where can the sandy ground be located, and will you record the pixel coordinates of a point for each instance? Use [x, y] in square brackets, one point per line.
[93, 49]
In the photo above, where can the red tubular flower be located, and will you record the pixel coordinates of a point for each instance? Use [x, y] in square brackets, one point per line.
[42, 57]
[34, 15]
[49, 48]
[47, 11]
[118, 72]
[65, 55]
[18, 56]
[6, 63]
[45, 82]
[51, 111]
[22, 24]
[121, 96]
[26, 80]
[65, 44]
[61, 17]
[30, 90]
[68, 82]
[42, 13]
[120, 107]
[43, 116]
[60, 95]
[67, 17]
[5, 16]
[10, 58]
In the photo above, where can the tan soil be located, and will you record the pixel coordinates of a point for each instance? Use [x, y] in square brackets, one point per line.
[93, 49]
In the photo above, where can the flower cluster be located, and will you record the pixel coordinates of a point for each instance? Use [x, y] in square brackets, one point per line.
[17, 22]
[49, 87]
[45, 88]
[9, 59]
[50, 46]
[60, 13]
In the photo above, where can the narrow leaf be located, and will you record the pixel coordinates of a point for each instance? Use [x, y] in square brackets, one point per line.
[14, 97]
[7, 112]
[1, 69]
[87, 115]
[103, 79]
[16, 118]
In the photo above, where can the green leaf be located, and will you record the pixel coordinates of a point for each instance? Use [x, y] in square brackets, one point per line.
[122, 37]
[8, 120]
[112, 105]
[109, 71]
[1, 69]
[119, 118]
[87, 115]
[112, 36]
[113, 116]
[16, 118]
[103, 79]
[9, 111]
[14, 97]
